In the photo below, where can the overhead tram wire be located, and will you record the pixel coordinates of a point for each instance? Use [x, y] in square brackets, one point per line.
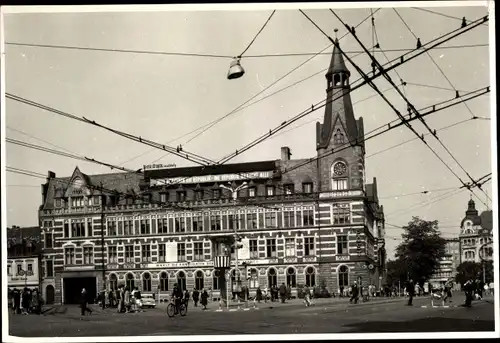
[444, 15]
[38, 139]
[402, 59]
[257, 35]
[418, 193]
[180, 153]
[186, 54]
[411, 107]
[272, 84]
[434, 62]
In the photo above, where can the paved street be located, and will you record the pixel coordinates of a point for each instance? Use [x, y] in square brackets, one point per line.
[327, 316]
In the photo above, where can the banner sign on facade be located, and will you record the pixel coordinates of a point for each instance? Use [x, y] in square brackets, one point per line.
[340, 194]
[212, 178]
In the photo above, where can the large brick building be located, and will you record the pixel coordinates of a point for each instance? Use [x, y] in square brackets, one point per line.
[301, 221]
[475, 231]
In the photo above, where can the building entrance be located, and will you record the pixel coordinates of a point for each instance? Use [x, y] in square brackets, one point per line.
[73, 289]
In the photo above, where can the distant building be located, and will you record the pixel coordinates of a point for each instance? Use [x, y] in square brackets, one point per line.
[300, 221]
[448, 265]
[475, 230]
[23, 257]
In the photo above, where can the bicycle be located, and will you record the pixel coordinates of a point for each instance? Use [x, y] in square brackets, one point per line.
[172, 310]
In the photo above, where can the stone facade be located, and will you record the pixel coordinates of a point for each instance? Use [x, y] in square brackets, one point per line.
[301, 221]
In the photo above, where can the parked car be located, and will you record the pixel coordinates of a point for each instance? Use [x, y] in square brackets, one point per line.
[148, 300]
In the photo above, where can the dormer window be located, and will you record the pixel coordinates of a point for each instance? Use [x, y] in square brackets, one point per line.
[307, 187]
[216, 193]
[198, 194]
[270, 191]
[77, 202]
[289, 188]
[251, 192]
[58, 203]
[163, 197]
[181, 196]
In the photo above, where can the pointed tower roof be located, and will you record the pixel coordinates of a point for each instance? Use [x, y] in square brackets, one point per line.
[337, 64]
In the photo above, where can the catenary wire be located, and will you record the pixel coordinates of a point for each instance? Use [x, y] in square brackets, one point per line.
[240, 107]
[410, 107]
[434, 62]
[435, 42]
[258, 33]
[444, 15]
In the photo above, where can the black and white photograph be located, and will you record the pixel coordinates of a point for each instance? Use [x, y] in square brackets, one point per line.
[252, 171]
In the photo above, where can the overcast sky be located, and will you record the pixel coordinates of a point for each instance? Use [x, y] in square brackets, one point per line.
[162, 97]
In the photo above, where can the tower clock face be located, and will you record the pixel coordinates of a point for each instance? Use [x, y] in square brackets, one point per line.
[339, 168]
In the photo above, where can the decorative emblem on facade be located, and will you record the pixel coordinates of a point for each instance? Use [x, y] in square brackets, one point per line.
[339, 168]
[262, 271]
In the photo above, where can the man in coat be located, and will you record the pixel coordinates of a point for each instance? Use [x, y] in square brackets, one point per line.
[410, 288]
[355, 293]
[282, 291]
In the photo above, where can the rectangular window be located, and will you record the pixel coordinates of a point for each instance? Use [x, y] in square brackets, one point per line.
[88, 254]
[290, 247]
[251, 221]
[342, 245]
[97, 200]
[129, 253]
[69, 256]
[162, 252]
[231, 219]
[48, 240]
[112, 228]
[128, 227]
[223, 222]
[308, 216]
[162, 225]
[270, 219]
[180, 224]
[252, 192]
[66, 230]
[181, 196]
[19, 268]
[181, 252]
[146, 253]
[77, 229]
[112, 255]
[9, 270]
[289, 219]
[198, 223]
[198, 195]
[339, 184]
[271, 247]
[58, 202]
[289, 189]
[145, 227]
[270, 191]
[49, 268]
[241, 222]
[77, 202]
[309, 246]
[341, 214]
[198, 251]
[298, 218]
[307, 187]
[215, 222]
[163, 197]
[30, 268]
[254, 252]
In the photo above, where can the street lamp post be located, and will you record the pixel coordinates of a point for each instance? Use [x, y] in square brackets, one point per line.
[234, 194]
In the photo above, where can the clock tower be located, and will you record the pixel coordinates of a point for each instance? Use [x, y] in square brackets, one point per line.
[340, 133]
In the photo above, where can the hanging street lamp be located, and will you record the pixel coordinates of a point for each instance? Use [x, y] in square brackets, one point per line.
[235, 69]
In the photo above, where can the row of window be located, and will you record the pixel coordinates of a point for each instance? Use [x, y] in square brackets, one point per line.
[180, 196]
[19, 271]
[309, 248]
[252, 277]
[204, 221]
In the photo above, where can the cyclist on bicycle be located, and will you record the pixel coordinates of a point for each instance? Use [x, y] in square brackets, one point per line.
[177, 296]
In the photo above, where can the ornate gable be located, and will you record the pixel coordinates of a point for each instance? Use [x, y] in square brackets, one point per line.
[78, 185]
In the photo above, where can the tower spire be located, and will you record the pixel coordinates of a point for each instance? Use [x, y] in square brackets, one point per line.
[337, 72]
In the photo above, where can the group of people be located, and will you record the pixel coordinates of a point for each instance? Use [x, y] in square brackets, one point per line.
[179, 297]
[282, 292]
[26, 301]
[128, 300]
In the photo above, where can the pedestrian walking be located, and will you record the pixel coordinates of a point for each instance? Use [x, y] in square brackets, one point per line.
[282, 291]
[410, 286]
[196, 297]
[447, 290]
[186, 298]
[204, 299]
[469, 290]
[36, 302]
[258, 295]
[83, 303]
[354, 293]
[127, 300]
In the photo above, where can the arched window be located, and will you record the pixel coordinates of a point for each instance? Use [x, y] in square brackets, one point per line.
[215, 279]
[181, 280]
[336, 79]
[199, 280]
[163, 282]
[146, 282]
[254, 278]
[338, 138]
[272, 278]
[343, 276]
[130, 281]
[234, 280]
[473, 241]
[113, 282]
[310, 277]
[291, 278]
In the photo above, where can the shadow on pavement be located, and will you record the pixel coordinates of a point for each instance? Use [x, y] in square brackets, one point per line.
[424, 325]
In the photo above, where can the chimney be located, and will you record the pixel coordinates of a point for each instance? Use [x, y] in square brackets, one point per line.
[45, 187]
[285, 153]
